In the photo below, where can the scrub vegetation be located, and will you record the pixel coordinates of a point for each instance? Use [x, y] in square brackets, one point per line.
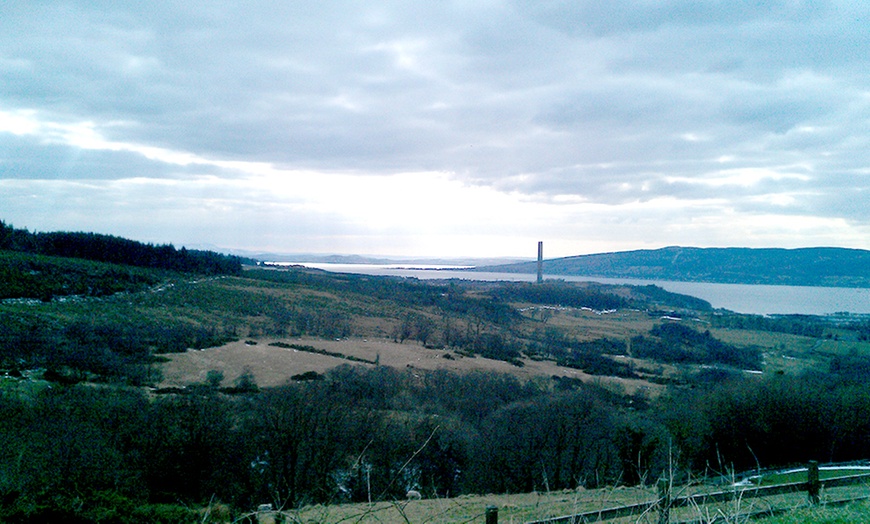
[648, 382]
[859, 512]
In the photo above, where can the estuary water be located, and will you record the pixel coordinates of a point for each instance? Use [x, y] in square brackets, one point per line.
[741, 298]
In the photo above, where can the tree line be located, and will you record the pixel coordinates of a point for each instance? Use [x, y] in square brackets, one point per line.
[361, 434]
[117, 250]
[678, 343]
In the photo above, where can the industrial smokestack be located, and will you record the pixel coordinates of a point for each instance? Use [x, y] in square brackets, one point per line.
[540, 262]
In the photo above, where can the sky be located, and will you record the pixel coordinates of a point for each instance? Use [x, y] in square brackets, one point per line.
[421, 128]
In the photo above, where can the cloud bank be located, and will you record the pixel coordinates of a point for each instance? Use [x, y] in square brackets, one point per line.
[448, 128]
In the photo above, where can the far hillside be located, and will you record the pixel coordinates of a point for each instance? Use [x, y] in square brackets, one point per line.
[817, 266]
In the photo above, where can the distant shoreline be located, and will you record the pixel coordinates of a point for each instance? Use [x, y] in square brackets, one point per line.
[813, 267]
[761, 299]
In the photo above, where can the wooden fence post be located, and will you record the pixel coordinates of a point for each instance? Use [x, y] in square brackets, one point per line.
[813, 484]
[491, 515]
[664, 503]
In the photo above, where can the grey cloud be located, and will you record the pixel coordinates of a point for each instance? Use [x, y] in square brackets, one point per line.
[28, 158]
[780, 109]
[846, 196]
[607, 18]
[604, 101]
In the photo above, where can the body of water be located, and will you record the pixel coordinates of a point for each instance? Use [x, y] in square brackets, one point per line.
[742, 298]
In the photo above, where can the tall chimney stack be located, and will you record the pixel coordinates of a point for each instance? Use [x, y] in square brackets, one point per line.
[540, 262]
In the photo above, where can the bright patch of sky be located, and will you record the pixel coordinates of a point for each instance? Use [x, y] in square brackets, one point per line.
[439, 128]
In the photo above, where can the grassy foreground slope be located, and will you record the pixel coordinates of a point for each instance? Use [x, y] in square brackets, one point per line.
[851, 514]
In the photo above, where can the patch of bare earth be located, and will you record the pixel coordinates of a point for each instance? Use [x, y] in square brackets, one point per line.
[273, 366]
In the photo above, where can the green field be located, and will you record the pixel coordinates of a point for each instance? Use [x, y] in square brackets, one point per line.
[800, 475]
[851, 514]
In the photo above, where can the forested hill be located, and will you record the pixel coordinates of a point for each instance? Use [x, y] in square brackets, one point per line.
[820, 266]
[117, 250]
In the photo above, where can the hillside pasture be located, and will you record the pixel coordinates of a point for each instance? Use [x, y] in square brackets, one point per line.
[273, 365]
[794, 354]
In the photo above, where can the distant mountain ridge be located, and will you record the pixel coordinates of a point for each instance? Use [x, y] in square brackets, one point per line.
[816, 266]
[375, 259]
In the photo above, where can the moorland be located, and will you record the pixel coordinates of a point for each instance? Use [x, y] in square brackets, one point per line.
[145, 383]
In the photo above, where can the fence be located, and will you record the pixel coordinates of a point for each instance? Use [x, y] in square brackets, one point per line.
[663, 505]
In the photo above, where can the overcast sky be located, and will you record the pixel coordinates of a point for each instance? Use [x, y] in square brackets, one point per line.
[435, 128]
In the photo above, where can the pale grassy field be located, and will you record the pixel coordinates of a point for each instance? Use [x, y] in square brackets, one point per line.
[273, 366]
